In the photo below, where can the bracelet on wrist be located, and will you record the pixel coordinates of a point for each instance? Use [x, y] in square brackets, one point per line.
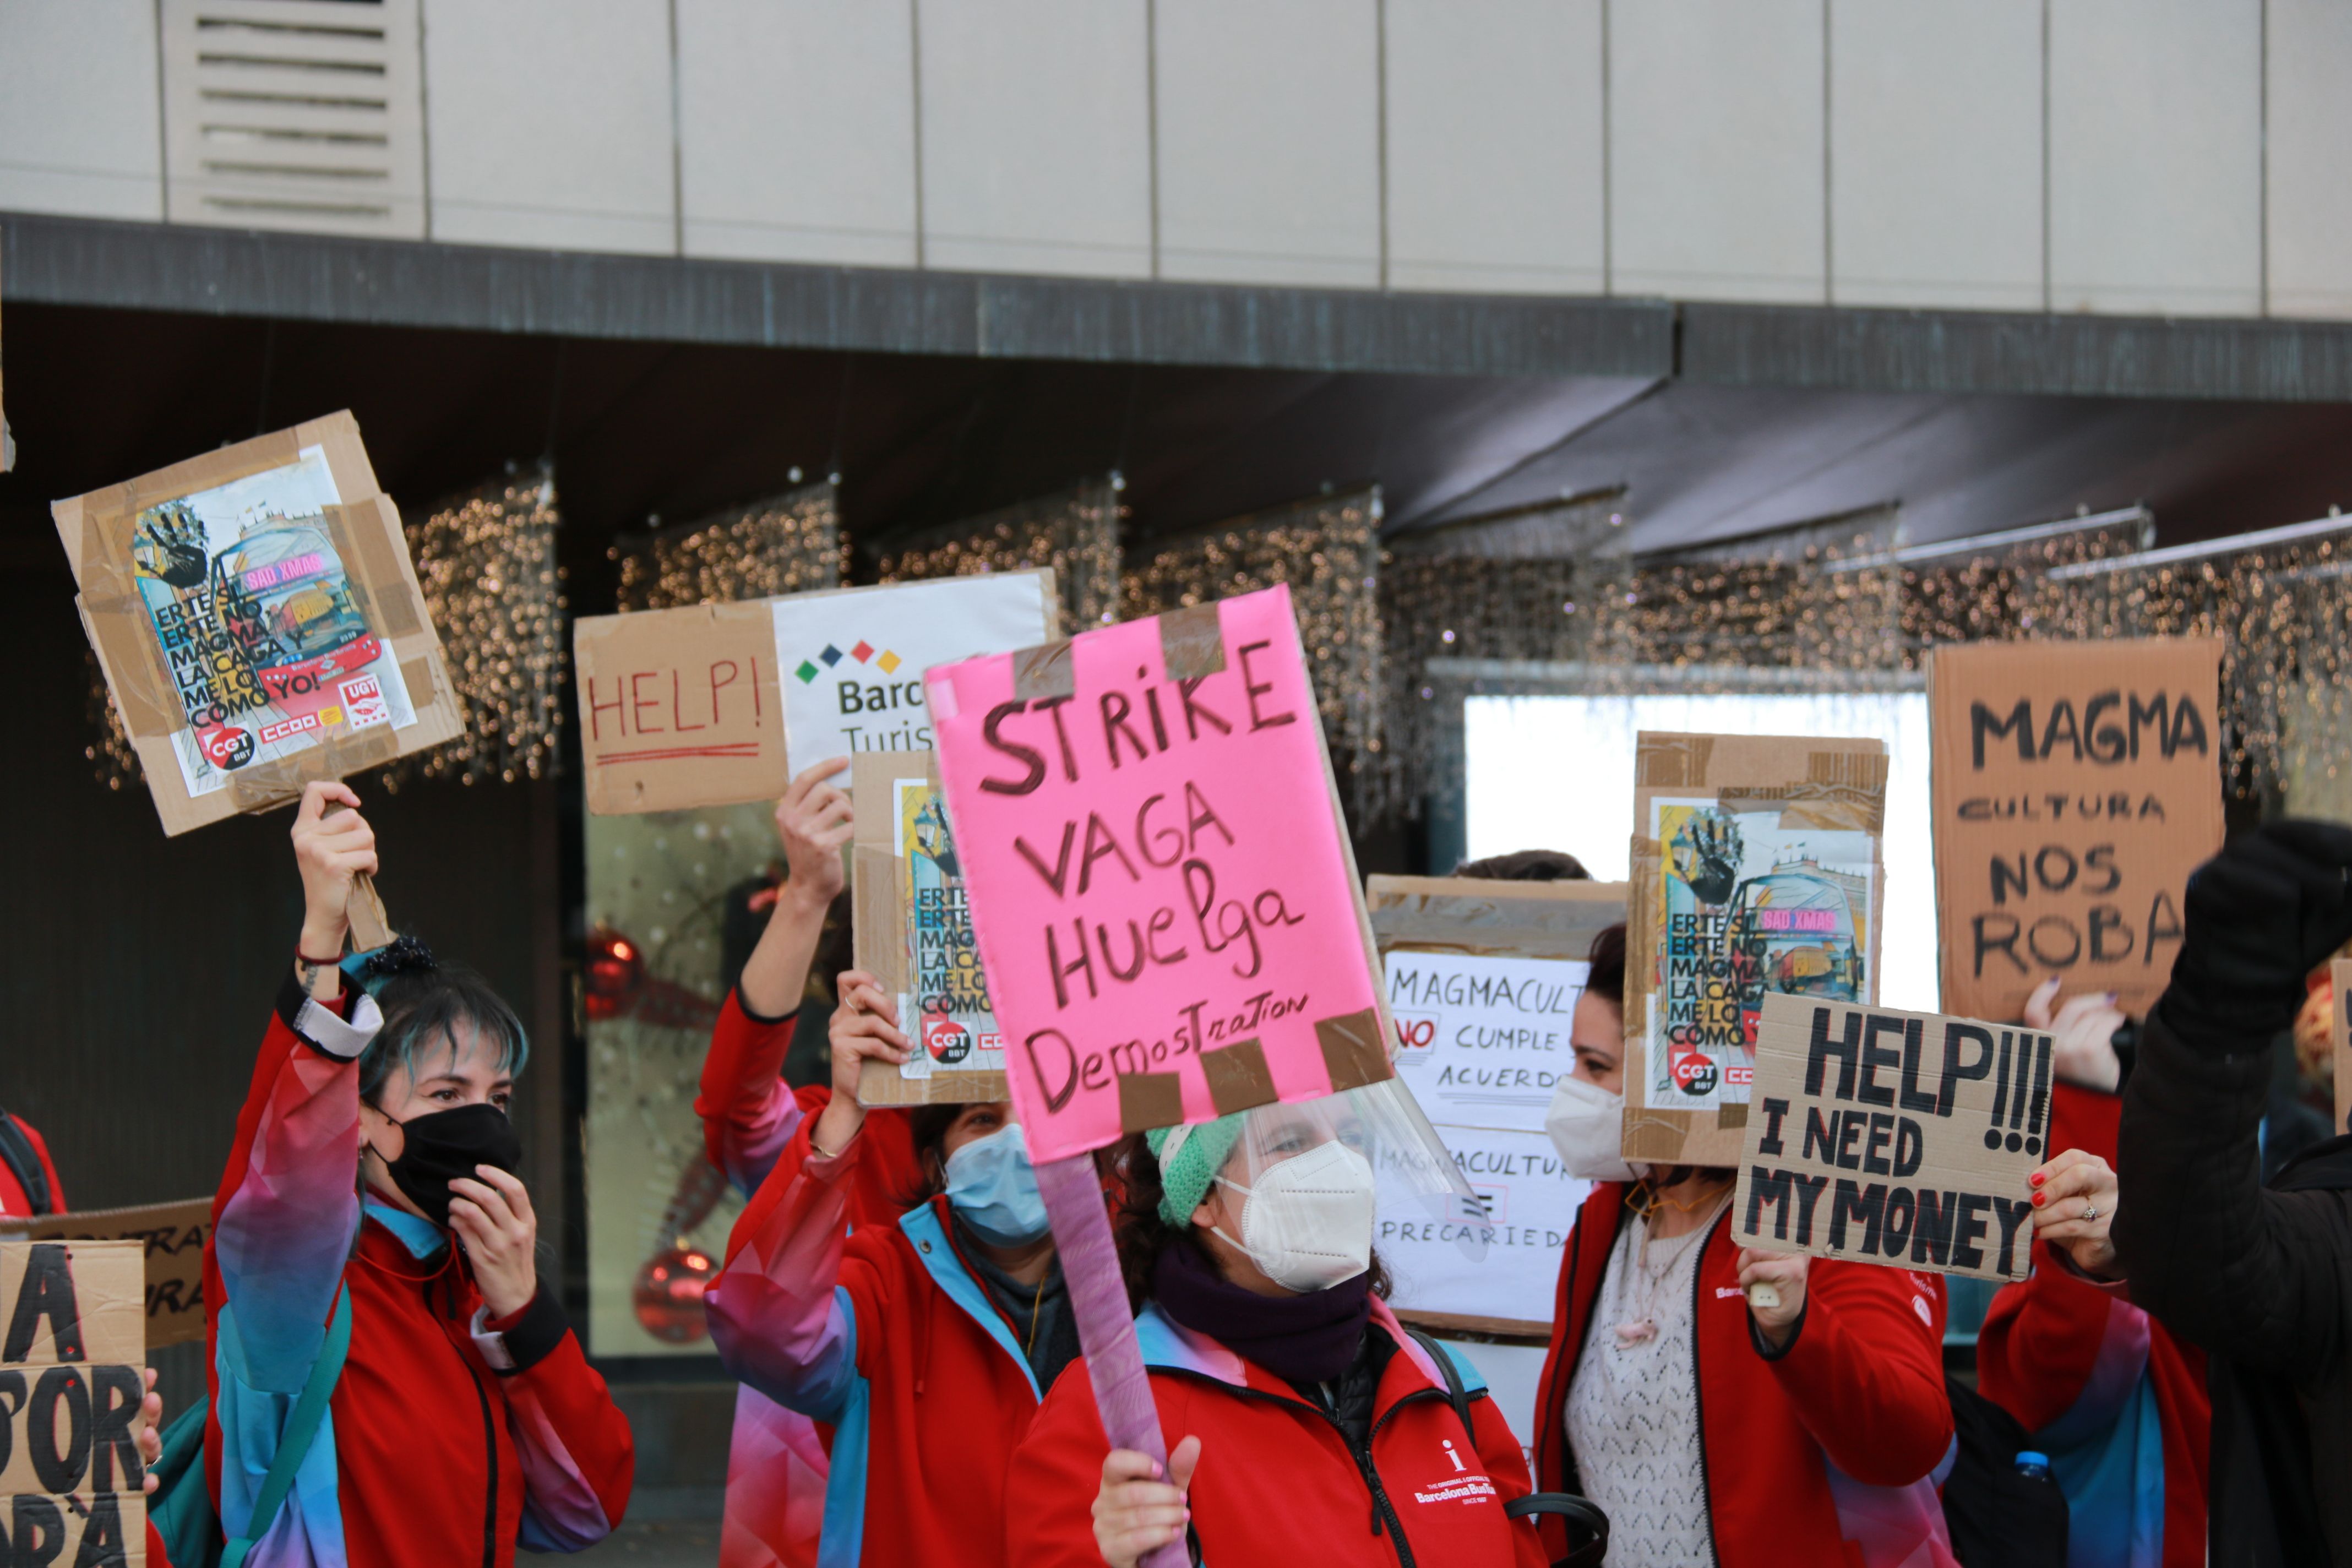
[302, 957]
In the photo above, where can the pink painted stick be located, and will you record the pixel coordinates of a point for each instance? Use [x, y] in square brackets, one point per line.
[1073, 1205]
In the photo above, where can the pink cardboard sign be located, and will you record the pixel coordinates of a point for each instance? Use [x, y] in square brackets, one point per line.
[1164, 898]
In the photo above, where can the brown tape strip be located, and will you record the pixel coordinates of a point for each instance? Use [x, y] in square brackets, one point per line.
[1352, 1053]
[361, 538]
[1728, 1116]
[1673, 762]
[416, 674]
[144, 694]
[877, 919]
[1149, 1100]
[1044, 670]
[1191, 643]
[275, 783]
[1238, 1077]
[279, 450]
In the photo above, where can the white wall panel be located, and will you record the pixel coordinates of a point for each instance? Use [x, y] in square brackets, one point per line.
[1715, 147]
[1036, 136]
[548, 123]
[1936, 154]
[796, 130]
[1269, 141]
[1495, 146]
[2156, 156]
[2310, 135]
[80, 127]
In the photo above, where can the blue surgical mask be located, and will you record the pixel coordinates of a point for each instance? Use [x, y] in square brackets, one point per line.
[993, 1188]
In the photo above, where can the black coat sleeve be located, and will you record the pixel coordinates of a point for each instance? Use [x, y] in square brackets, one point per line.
[2243, 1272]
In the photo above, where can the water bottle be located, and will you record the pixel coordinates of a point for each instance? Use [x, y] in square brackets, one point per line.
[2033, 1465]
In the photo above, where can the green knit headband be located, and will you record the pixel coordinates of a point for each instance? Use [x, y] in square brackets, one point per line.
[1190, 1158]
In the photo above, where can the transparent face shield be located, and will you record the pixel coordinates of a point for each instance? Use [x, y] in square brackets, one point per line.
[1342, 1171]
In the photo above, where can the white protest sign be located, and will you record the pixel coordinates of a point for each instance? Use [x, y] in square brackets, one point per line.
[851, 660]
[1530, 1202]
[1481, 1038]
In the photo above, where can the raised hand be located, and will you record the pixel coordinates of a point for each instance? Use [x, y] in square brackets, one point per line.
[2083, 1029]
[2074, 1198]
[864, 1029]
[329, 851]
[812, 823]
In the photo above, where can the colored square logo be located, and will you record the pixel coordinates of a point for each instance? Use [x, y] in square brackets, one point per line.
[807, 672]
[862, 652]
[888, 662]
[831, 655]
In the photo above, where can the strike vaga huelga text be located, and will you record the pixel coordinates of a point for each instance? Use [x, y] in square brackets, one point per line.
[1908, 1142]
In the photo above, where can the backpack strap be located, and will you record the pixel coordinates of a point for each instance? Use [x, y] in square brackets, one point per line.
[301, 1429]
[24, 1161]
[1451, 1374]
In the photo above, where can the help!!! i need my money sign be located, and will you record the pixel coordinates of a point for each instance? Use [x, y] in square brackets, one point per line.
[1897, 1138]
[1166, 904]
[72, 1321]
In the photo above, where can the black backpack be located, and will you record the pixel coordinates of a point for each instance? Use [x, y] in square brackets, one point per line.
[17, 1153]
[1998, 1517]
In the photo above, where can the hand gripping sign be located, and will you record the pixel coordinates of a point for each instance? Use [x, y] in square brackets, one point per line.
[1166, 905]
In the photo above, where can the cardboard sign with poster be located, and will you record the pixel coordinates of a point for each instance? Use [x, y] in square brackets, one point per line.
[2076, 788]
[1483, 979]
[1897, 1138]
[1165, 898]
[914, 934]
[1757, 869]
[852, 659]
[259, 621]
[172, 1237]
[680, 708]
[70, 1476]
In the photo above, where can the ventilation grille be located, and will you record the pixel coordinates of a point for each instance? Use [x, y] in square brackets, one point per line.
[302, 114]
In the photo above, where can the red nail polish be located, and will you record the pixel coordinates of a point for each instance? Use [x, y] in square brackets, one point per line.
[2038, 1197]
[2039, 1178]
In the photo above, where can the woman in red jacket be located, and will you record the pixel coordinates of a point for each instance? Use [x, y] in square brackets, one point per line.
[777, 1462]
[374, 1165]
[1813, 1429]
[1305, 1425]
[925, 1344]
[2117, 1402]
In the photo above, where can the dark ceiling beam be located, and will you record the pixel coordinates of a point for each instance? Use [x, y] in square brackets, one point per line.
[231, 272]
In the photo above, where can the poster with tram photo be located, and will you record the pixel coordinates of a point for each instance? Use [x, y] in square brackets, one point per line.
[253, 610]
[1747, 902]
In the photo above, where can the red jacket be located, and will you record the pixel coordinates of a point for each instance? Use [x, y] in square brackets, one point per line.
[887, 1337]
[1827, 1454]
[13, 1200]
[777, 1460]
[2066, 1358]
[450, 1437]
[1276, 1486]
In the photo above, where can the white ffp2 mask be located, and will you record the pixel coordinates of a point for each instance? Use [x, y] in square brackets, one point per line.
[1587, 1125]
[1308, 1222]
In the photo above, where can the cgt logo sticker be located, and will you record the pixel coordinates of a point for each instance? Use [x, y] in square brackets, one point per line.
[226, 747]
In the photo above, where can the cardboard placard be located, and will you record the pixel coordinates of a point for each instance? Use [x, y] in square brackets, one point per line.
[259, 621]
[173, 1238]
[1756, 869]
[1161, 882]
[680, 708]
[72, 1360]
[1482, 979]
[2341, 972]
[912, 925]
[2076, 788]
[851, 660]
[1894, 1138]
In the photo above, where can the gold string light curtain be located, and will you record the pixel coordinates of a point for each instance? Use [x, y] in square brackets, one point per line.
[1076, 532]
[787, 543]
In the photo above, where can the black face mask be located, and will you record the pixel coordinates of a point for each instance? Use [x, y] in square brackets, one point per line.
[449, 1144]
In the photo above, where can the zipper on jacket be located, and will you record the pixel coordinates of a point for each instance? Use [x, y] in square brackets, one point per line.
[490, 1433]
[1382, 1507]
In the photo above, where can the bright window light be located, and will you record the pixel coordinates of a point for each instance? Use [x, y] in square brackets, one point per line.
[1557, 772]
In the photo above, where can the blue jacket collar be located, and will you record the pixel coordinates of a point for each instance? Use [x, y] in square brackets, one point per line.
[935, 1251]
[424, 1239]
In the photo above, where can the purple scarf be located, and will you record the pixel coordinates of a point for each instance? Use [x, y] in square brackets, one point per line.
[1299, 1339]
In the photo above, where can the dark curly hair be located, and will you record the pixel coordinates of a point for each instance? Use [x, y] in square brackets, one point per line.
[1527, 866]
[423, 1002]
[1607, 979]
[1142, 1236]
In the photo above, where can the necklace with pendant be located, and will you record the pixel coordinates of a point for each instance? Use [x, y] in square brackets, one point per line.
[1649, 1282]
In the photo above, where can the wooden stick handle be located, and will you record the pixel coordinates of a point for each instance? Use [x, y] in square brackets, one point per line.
[370, 927]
